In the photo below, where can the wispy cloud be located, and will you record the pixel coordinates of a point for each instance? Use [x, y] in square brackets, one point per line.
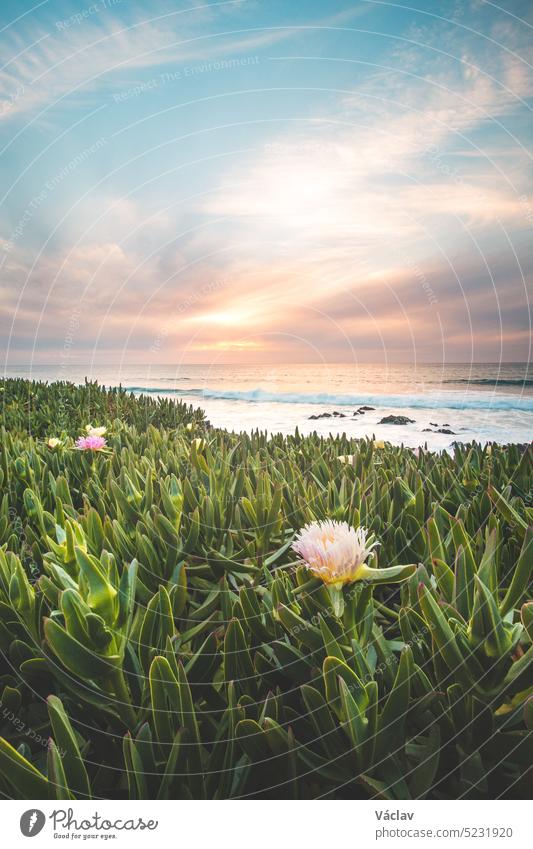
[68, 59]
[382, 199]
[79, 53]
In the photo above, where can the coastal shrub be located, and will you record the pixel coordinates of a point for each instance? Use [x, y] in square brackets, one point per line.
[33, 407]
[160, 638]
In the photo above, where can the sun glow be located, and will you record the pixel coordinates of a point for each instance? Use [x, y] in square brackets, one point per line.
[229, 345]
[227, 318]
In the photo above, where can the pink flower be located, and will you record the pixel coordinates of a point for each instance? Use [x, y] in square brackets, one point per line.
[90, 443]
[334, 551]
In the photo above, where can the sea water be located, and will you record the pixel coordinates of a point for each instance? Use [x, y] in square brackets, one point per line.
[486, 402]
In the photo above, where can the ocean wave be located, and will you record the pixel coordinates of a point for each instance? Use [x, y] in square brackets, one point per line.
[161, 379]
[426, 402]
[493, 381]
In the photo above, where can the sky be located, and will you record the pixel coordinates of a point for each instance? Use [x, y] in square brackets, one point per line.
[265, 181]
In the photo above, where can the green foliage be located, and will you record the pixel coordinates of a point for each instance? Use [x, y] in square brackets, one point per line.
[63, 408]
[158, 640]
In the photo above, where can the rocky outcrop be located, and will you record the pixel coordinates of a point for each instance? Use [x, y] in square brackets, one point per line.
[396, 420]
[443, 429]
[335, 414]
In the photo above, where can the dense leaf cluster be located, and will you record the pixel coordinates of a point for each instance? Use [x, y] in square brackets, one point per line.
[51, 409]
[158, 640]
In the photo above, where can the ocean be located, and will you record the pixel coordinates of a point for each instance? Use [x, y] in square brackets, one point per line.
[486, 402]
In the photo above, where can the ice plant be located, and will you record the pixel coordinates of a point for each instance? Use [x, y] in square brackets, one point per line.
[361, 666]
[53, 442]
[95, 431]
[90, 443]
[334, 551]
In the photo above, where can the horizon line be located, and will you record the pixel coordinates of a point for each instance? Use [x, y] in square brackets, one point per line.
[277, 363]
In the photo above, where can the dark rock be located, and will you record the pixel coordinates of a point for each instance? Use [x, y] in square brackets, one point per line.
[433, 424]
[427, 430]
[446, 424]
[324, 415]
[366, 408]
[445, 430]
[396, 420]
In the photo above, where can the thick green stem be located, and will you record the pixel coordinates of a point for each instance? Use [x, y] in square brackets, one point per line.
[121, 691]
[387, 575]
[387, 611]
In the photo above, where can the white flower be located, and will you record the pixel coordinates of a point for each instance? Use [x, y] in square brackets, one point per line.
[53, 442]
[334, 551]
[189, 426]
[346, 458]
[95, 431]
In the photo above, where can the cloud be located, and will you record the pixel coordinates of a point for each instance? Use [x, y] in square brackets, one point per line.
[371, 220]
[81, 53]
[70, 60]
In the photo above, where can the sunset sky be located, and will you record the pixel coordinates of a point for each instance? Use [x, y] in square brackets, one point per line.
[265, 181]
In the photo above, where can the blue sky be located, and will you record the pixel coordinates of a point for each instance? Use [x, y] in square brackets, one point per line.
[266, 181]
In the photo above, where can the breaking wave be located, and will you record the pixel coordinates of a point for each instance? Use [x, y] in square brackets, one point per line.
[258, 396]
[493, 381]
